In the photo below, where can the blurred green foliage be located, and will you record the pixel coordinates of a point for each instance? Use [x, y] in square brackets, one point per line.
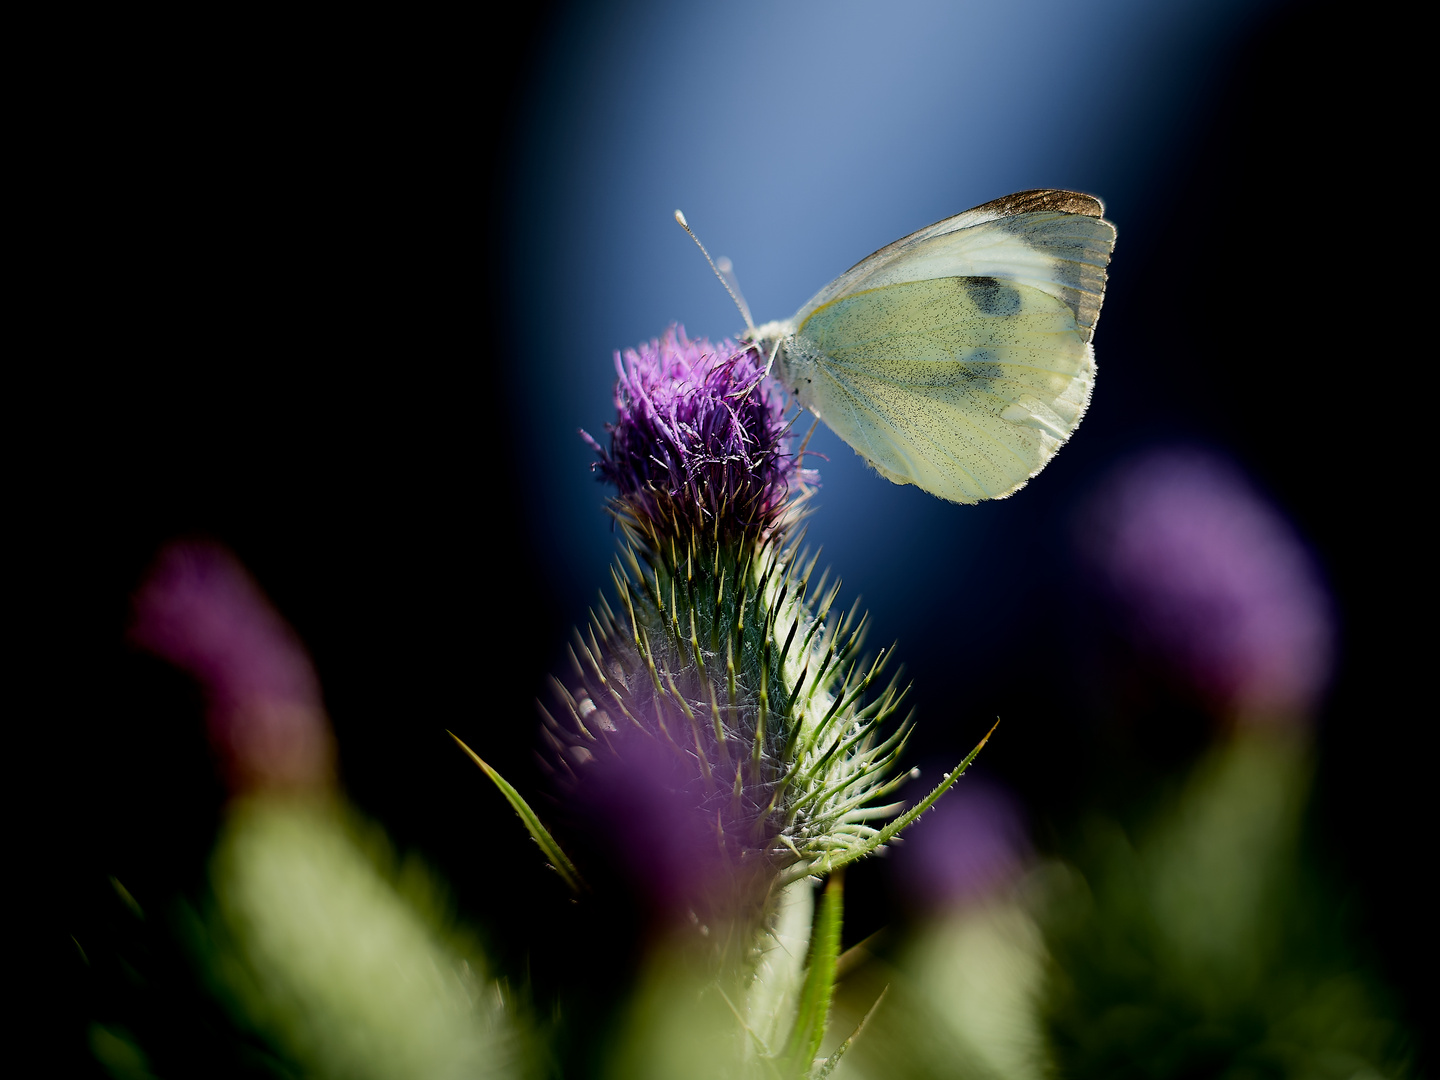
[1201, 942]
[340, 958]
[1196, 940]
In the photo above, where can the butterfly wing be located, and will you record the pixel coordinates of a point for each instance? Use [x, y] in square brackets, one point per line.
[958, 359]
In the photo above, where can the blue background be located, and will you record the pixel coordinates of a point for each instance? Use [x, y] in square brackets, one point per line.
[798, 137]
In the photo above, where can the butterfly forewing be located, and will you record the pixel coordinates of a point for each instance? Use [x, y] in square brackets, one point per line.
[1064, 254]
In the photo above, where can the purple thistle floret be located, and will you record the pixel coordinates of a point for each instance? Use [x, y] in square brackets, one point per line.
[701, 439]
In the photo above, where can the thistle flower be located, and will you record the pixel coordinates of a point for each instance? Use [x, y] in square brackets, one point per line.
[721, 692]
[312, 937]
[201, 611]
[1211, 578]
[701, 440]
[717, 719]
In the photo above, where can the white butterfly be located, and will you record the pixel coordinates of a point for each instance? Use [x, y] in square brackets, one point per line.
[958, 359]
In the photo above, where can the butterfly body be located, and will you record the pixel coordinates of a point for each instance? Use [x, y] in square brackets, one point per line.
[958, 358]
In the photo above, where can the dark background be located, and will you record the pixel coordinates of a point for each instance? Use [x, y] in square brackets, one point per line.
[280, 298]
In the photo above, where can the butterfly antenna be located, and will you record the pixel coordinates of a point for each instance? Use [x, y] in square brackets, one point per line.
[725, 272]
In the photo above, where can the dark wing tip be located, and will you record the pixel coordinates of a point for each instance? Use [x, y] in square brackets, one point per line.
[1028, 202]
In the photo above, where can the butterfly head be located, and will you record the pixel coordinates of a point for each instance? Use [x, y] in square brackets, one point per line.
[767, 335]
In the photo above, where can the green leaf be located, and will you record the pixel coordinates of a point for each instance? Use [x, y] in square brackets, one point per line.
[819, 986]
[827, 1066]
[558, 859]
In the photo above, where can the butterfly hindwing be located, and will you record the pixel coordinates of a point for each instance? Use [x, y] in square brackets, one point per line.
[964, 386]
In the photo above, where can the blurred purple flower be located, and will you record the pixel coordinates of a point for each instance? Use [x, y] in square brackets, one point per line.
[700, 438]
[685, 837]
[968, 848]
[1211, 576]
[201, 611]
[646, 807]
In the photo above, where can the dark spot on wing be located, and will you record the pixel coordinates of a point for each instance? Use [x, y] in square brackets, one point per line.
[991, 296]
[979, 369]
[982, 364]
